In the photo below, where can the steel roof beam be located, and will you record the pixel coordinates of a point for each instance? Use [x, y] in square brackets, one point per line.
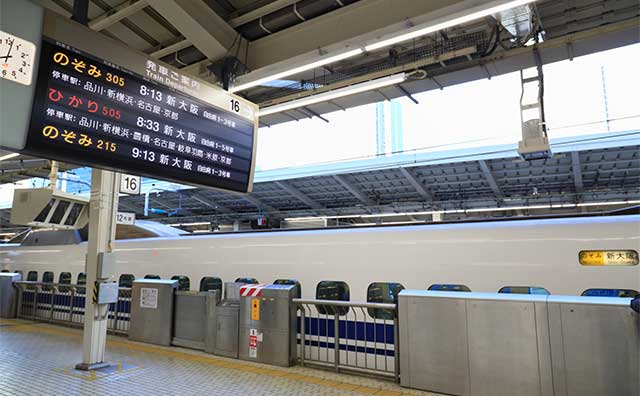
[576, 167]
[360, 23]
[215, 206]
[260, 12]
[259, 204]
[299, 195]
[170, 49]
[117, 14]
[488, 175]
[416, 184]
[199, 24]
[353, 190]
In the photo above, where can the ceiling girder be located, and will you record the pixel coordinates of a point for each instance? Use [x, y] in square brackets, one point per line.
[206, 202]
[260, 12]
[259, 204]
[120, 12]
[353, 190]
[416, 184]
[299, 194]
[576, 168]
[199, 24]
[347, 28]
[488, 175]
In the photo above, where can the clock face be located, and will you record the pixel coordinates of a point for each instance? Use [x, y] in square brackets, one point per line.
[16, 58]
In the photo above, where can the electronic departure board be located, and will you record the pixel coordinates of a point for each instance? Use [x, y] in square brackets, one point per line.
[93, 112]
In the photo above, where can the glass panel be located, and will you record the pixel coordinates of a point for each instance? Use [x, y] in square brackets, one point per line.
[383, 292]
[42, 216]
[332, 290]
[61, 209]
[447, 287]
[183, 282]
[524, 290]
[293, 282]
[211, 283]
[627, 293]
[32, 276]
[126, 280]
[82, 278]
[599, 258]
[74, 213]
[65, 278]
[249, 281]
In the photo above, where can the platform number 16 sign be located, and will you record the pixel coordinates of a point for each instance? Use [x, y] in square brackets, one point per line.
[130, 184]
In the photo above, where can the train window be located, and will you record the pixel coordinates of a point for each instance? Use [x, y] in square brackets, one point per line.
[126, 280]
[293, 282]
[47, 277]
[628, 293]
[32, 276]
[447, 287]
[248, 281]
[183, 282]
[600, 258]
[383, 292]
[524, 290]
[64, 278]
[332, 290]
[151, 276]
[82, 278]
[211, 283]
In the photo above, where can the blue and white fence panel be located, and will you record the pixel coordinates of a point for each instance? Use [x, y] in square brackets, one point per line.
[348, 336]
[64, 304]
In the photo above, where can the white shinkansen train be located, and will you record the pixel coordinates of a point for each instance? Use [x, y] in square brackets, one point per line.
[562, 255]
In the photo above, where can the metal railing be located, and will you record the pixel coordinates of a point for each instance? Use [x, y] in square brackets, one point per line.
[64, 304]
[349, 336]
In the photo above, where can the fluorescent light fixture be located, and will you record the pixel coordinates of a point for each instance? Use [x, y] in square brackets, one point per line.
[424, 30]
[337, 93]
[296, 70]
[418, 31]
[9, 156]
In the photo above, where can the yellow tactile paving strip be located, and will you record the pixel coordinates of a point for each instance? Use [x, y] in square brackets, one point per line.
[197, 357]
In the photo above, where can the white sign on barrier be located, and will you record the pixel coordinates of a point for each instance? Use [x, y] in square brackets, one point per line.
[149, 298]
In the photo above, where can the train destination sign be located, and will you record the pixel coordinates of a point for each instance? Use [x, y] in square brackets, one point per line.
[154, 121]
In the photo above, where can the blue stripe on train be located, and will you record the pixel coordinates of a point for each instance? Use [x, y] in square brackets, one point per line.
[350, 348]
[78, 301]
[348, 329]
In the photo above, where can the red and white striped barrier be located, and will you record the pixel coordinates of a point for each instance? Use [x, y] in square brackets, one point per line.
[252, 290]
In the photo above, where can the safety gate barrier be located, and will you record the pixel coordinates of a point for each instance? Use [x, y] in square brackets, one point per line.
[64, 304]
[349, 336]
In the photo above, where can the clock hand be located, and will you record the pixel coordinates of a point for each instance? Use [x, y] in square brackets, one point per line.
[8, 55]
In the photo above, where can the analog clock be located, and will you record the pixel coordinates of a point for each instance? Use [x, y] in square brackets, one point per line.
[16, 58]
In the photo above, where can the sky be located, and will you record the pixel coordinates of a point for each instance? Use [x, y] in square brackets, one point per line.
[478, 113]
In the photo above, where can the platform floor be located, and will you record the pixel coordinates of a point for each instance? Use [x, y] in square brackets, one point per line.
[38, 359]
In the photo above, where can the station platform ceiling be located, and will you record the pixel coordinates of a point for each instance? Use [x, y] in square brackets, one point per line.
[585, 171]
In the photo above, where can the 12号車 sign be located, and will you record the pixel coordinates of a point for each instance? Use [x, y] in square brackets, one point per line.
[92, 112]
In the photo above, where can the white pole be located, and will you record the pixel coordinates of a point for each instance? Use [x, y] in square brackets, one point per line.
[102, 219]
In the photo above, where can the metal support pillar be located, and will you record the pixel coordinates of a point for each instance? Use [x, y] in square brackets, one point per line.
[102, 225]
[53, 174]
